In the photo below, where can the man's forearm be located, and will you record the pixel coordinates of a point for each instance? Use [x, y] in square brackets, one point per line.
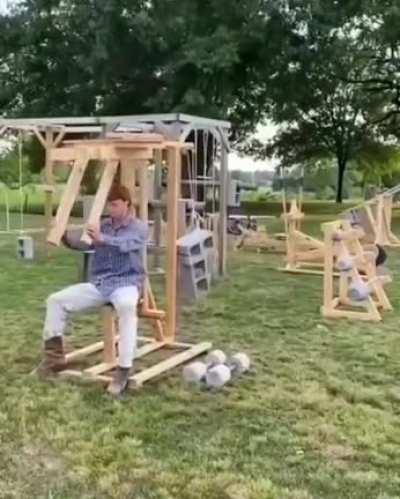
[73, 241]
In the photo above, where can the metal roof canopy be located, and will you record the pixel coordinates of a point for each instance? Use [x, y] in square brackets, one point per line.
[184, 123]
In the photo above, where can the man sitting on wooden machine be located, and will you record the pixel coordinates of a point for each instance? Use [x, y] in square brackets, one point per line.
[116, 277]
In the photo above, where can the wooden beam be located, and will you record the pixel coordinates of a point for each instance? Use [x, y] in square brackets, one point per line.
[109, 334]
[100, 200]
[101, 151]
[85, 351]
[128, 178]
[142, 178]
[158, 324]
[68, 198]
[328, 268]
[150, 313]
[59, 138]
[39, 137]
[174, 175]
[160, 368]
[223, 211]
[48, 170]
[140, 352]
[157, 198]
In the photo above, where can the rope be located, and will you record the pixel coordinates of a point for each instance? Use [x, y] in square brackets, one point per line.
[7, 209]
[21, 192]
[195, 159]
[205, 144]
[213, 157]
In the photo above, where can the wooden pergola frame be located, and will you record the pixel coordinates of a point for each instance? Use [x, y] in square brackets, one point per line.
[173, 126]
[129, 156]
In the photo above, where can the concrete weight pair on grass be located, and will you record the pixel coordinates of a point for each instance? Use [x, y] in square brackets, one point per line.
[359, 290]
[216, 371]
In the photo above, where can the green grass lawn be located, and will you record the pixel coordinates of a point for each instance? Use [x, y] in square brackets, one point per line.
[317, 417]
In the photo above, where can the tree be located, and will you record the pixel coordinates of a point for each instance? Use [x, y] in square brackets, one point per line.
[127, 57]
[379, 46]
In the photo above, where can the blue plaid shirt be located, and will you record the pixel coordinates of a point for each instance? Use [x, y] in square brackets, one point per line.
[118, 261]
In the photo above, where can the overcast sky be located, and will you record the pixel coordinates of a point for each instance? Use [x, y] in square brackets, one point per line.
[235, 162]
[3, 4]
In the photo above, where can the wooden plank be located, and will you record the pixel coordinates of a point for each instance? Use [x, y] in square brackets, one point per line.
[100, 200]
[39, 136]
[102, 152]
[59, 138]
[157, 324]
[70, 193]
[165, 365]
[223, 212]
[174, 175]
[85, 351]
[63, 154]
[109, 334]
[49, 177]
[128, 178]
[328, 267]
[350, 314]
[82, 376]
[141, 352]
[152, 314]
[116, 137]
[157, 210]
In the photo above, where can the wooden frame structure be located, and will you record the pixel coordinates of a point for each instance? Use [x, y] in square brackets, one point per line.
[129, 156]
[304, 253]
[261, 241]
[341, 239]
[173, 126]
[375, 216]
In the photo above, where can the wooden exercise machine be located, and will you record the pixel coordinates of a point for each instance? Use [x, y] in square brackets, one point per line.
[127, 157]
[304, 254]
[375, 217]
[358, 293]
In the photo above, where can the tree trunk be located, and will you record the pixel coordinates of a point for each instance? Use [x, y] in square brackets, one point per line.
[339, 189]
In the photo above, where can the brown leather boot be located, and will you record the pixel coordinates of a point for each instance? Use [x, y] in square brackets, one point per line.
[119, 382]
[53, 357]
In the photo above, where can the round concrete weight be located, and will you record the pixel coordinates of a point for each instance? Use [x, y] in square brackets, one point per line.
[240, 363]
[218, 376]
[359, 291]
[344, 264]
[215, 357]
[194, 372]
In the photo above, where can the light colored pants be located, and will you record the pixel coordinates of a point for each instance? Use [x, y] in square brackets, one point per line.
[85, 296]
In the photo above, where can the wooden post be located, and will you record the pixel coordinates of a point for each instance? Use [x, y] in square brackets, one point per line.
[174, 173]
[328, 268]
[128, 178]
[223, 211]
[144, 216]
[109, 171]
[109, 353]
[48, 203]
[68, 198]
[158, 210]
